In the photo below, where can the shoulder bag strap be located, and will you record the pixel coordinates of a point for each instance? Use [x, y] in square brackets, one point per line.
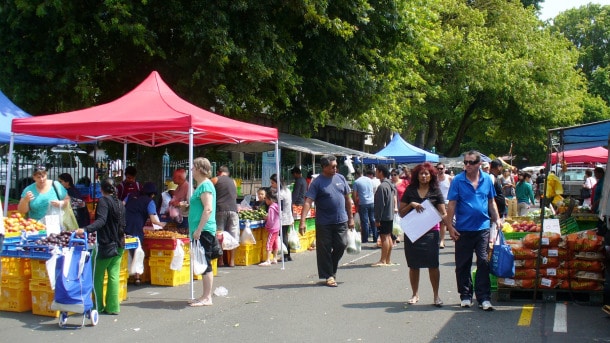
[56, 192]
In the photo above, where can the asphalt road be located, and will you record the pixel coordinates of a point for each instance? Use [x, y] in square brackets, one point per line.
[268, 304]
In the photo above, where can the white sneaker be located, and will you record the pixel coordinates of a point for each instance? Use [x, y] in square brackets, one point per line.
[486, 305]
[466, 303]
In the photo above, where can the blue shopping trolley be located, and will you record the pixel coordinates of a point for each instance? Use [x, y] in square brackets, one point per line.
[74, 283]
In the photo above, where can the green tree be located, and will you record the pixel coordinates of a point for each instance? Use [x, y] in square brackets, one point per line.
[588, 28]
[497, 78]
[63, 55]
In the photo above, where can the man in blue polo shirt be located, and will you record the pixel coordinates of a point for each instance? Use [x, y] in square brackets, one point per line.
[334, 216]
[471, 200]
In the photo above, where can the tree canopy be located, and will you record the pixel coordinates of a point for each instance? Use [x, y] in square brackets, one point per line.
[453, 74]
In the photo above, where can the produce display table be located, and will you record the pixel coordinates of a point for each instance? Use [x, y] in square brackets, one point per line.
[560, 266]
[25, 282]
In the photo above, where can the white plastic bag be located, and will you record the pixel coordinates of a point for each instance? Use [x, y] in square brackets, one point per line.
[396, 229]
[178, 257]
[353, 247]
[357, 222]
[137, 263]
[247, 237]
[52, 220]
[199, 262]
[228, 241]
[293, 239]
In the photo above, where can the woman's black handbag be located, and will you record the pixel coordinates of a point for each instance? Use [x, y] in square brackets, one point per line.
[108, 250]
[585, 193]
[216, 248]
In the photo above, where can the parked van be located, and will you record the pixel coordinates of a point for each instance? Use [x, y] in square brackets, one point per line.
[573, 178]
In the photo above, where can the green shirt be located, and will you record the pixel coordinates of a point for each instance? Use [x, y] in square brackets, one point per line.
[41, 202]
[196, 208]
[525, 193]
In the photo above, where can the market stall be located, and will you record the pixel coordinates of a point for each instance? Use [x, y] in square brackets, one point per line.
[27, 250]
[151, 115]
[560, 253]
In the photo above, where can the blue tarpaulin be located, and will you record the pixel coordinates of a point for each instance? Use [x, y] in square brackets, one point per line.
[584, 136]
[9, 111]
[403, 152]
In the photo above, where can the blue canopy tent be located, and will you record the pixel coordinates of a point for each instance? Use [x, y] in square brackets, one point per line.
[9, 111]
[403, 152]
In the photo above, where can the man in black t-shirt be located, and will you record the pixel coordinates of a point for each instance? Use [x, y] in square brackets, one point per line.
[495, 169]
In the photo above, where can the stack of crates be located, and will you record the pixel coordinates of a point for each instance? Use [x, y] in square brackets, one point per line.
[160, 272]
[15, 295]
[40, 286]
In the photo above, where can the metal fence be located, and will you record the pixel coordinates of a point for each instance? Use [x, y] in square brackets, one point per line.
[85, 170]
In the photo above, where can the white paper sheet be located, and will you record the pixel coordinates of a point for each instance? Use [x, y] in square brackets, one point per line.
[416, 224]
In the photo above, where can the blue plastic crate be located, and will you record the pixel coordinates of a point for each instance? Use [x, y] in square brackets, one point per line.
[83, 190]
[95, 191]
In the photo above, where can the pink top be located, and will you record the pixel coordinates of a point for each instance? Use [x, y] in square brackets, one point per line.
[272, 224]
[400, 189]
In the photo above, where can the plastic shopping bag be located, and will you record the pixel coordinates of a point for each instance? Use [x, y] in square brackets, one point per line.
[293, 239]
[137, 263]
[228, 241]
[178, 258]
[396, 229]
[200, 264]
[357, 222]
[247, 237]
[502, 258]
[353, 247]
[53, 220]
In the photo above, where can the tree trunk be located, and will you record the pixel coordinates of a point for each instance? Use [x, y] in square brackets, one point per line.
[464, 124]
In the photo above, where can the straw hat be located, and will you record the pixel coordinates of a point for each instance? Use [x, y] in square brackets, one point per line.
[171, 186]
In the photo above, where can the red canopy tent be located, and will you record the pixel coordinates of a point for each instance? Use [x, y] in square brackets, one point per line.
[593, 155]
[152, 115]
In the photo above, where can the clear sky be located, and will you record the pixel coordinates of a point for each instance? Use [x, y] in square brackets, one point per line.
[551, 8]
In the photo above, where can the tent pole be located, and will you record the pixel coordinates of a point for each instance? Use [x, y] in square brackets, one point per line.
[9, 169]
[279, 203]
[124, 158]
[190, 193]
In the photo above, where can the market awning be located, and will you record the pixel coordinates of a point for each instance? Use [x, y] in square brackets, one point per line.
[310, 146]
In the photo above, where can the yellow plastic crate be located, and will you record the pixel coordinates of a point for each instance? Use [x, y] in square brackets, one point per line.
[16, 267]
[42, 298]
[161, 253]
[15, 295]
[125, 260]
[156, 261]
[145, 277]
[39, 270]
[246, 254]
[163, 276]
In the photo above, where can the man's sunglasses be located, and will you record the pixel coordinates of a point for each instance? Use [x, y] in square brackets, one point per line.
[472, 163]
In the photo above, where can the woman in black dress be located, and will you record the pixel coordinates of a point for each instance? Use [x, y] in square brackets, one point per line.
[423, 253]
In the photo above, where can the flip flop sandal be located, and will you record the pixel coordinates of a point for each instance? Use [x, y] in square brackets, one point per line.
[200, 303]
[331, 282]
[413, 300]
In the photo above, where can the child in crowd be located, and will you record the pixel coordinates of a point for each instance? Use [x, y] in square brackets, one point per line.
[272, 224]
[260, 199]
